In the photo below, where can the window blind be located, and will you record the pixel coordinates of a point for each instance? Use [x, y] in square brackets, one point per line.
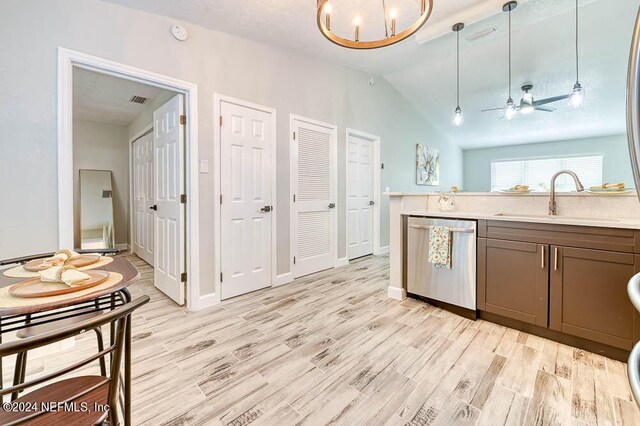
[537, 173]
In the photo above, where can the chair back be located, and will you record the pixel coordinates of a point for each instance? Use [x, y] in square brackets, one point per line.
[120, 316]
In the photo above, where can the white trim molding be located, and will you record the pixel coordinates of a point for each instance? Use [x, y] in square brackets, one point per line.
[382, 251]
[217, 167]
[343, 261]
[283, 279]
[396, 293]
[67, 59]
[377, 192]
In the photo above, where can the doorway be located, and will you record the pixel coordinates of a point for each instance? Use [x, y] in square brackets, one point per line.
[174, 121]
[362, 193]
[314, 195]
[247, 139]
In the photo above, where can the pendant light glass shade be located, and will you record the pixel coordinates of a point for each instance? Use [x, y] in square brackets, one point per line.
[509, 109]
[577, 95]
[457, 117]
[576, 98]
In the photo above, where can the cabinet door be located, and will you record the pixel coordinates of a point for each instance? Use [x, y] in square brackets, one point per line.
[516, 280]
[589, 295]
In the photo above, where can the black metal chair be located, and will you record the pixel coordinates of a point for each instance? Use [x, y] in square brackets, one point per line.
[77, 400]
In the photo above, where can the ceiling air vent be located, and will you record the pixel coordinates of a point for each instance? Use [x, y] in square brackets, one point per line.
[482, 34]
[138, 99]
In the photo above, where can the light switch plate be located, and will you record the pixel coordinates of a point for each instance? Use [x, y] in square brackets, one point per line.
[204, 166]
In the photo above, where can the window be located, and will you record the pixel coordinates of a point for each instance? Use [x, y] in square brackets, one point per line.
[537, 173]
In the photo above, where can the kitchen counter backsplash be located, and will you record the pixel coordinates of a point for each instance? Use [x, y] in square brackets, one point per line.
[569, 204]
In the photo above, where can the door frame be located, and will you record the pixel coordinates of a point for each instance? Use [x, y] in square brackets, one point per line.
[67, 59]
[293, 164]
[217, 169]
[148, 128]
[377, 172]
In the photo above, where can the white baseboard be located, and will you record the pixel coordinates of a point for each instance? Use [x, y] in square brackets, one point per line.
[397, 293]
[343, 261]
[382, 251]
[206, 301]
[283, 279]
[123, 247]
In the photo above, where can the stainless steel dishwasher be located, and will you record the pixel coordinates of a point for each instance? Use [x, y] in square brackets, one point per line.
[455, 286]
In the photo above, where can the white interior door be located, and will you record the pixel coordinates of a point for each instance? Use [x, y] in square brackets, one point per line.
[313, 175]
[169, 247]
[246, 211]
[143, 215]
[360, 196]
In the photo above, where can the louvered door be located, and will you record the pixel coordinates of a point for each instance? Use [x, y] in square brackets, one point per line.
[314, 191]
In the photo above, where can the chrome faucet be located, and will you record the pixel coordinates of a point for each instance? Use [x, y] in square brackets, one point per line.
[552, 194]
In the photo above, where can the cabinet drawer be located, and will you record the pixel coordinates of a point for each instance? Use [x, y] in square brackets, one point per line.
[610, 239]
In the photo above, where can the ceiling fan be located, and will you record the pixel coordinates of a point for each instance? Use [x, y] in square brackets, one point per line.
[528, 104]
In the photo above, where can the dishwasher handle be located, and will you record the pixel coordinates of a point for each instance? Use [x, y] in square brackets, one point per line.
[461, 230]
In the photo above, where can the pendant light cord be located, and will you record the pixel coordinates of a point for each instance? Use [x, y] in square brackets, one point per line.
[577, 55]
[458, 68]
[509, 52]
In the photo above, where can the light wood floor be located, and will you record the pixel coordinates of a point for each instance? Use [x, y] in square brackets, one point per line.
[332, 348]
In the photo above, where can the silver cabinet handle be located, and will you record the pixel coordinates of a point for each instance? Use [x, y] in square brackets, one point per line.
[461, 230]
[542, 257]
[555, 258]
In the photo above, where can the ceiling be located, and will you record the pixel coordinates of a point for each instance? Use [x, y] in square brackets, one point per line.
[106, 99]
[424, 73]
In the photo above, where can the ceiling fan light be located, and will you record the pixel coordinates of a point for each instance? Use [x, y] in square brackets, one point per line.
[577, 95]
[457, 118]
[509, 109]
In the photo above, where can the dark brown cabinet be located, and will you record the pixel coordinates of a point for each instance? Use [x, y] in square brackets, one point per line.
[588, 295]
[565, 279]
[517, 280]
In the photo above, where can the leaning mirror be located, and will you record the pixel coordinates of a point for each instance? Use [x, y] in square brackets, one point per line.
[96, 209]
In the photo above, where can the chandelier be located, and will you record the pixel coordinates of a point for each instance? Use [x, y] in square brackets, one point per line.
[389, 16]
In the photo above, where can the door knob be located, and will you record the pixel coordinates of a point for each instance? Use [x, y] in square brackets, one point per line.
[371, 203]
[332, 205]
[154, 207]
[266, 209]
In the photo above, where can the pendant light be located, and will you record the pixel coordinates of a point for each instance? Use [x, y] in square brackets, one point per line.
[510, 106]
[457, 117]
[577, 94]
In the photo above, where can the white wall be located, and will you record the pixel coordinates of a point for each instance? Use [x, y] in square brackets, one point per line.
[216, 62]
[100, 146]
[616, 164]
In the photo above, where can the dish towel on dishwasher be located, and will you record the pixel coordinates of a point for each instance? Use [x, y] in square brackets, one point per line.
[440, 246]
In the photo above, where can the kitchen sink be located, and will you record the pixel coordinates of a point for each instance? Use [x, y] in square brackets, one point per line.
[549, 217]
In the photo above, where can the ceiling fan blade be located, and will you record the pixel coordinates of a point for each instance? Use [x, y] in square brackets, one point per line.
[492, 109]
[550, 100]
[545, 109]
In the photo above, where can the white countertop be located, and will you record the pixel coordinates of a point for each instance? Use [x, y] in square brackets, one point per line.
[632, 193]
[623, 223]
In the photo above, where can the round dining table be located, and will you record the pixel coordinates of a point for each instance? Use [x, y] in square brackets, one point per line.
[71, 305]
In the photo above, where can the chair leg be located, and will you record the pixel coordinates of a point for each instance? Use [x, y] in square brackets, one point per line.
[19, 373]
[103, 365]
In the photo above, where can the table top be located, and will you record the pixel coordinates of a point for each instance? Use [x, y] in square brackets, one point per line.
[130, 274]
